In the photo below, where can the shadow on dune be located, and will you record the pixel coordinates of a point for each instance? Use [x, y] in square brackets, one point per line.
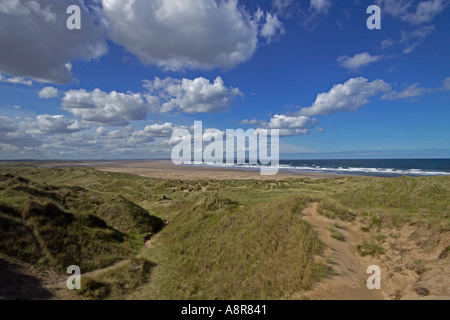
[15, 284]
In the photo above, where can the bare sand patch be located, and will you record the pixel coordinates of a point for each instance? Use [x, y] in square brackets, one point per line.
[349, 269]
[410, 268]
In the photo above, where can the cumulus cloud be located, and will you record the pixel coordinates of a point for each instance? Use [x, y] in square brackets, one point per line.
[179, 34]
[190, 96]
[349, 96]
[6, 125]
[113, 134]
[48, 92]
[57, 124]
[409, 92]
[424, 12]
[109, 109]
[18, 139]
[291, 125]
[36, 43]
[12, 136]
[34, 132]
[357, 61]
[57, 136]
[163, 95]
[149, 133]
[414, 38]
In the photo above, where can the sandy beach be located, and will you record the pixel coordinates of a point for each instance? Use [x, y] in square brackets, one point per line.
[167, 170]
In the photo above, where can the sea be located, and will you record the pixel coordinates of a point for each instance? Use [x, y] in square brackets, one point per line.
[366, 167]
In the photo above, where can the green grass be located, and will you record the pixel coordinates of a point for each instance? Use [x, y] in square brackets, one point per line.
[369, 248]
[262, 252]
[115, 283]
[394, 202]
[335, 210]
[335, 233]
[59, 226]
[225, 239]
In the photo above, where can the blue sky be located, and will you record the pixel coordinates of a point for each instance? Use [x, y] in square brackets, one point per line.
[118, 87]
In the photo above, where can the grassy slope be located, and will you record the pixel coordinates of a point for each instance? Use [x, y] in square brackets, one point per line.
[225, 239]
[57, 225]
[265, 251]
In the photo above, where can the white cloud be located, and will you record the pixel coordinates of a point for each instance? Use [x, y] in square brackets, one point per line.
[321, 6]
[57, 136]
[395, 8]
[109, 109]
[19, 140]
[58, 124]
[179, 34]
[409, 92]
[349, 96]
[151, 132]
[190, 96]
[291, 125]
[252, 122]
[424, 12]
[272, 28]
[16, 7]
[446, 84]
[15, 80]
[282, 6]
[36, 43]
[48, 92]
[115, 135]
[414, 38]
[387, 43]
[160, 130]
[44, 129]
[6, 125]
[164, 95]
[10, 134]
[357, 61]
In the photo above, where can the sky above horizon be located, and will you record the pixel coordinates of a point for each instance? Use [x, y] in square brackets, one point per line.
[137, 70]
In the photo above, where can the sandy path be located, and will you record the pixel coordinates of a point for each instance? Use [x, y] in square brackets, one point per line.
[349, 281]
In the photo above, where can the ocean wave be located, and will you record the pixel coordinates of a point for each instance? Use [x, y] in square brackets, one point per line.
[336, 170]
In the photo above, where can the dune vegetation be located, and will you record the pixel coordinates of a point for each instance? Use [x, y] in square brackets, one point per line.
[171, 239]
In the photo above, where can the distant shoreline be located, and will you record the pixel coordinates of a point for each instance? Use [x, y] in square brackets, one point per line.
[316, 169]
[167, 170]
